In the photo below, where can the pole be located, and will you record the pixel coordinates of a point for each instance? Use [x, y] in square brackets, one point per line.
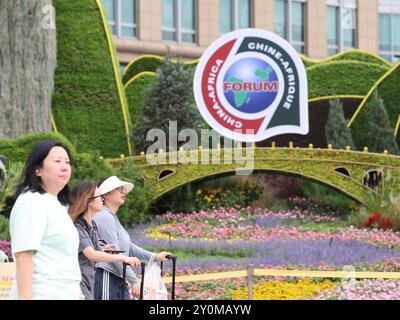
[250, 281]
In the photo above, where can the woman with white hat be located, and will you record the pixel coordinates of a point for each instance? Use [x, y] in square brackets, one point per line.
[108, 279]
[86, 202]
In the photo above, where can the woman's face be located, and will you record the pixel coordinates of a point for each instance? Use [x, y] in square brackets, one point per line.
[97, 201]
[56, 170]
[115, 197]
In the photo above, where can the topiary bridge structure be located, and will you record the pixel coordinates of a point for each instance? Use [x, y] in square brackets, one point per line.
[360, 175]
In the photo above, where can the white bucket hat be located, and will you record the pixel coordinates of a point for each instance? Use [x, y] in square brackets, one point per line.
[114, 182]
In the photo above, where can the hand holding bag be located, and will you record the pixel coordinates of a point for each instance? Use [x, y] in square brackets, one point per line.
[154, 287]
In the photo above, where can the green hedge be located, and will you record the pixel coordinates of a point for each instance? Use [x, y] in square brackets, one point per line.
[144, 63]
[359, 129]
[152, 62]
[85, 166]
[136, 208]
[361, 56]
[389, 91]
[148, 63]
[134, 94]
[18, 149]
[308, 62]
[352, 55]
[86, 104]
[351, 77]
[343, 77]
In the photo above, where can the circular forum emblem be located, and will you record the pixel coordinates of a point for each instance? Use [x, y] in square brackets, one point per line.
[251, 85]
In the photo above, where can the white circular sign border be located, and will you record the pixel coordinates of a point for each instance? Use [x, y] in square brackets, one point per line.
[263, 134]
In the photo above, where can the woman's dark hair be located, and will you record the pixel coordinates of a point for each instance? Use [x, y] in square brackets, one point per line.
[30, 181]
[82, 194]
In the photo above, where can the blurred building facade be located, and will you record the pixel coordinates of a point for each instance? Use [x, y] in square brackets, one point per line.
[316, 28]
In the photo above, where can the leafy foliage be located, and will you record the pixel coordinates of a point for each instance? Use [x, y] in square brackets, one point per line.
[14, 170]
[134, 95]
[337, 132]
[89, 166]
[228, 192]
[380, 135]
[145, 63]
[380, 211]
[18, 149]
[343, 78]
[169, 98]
[148, 63]
[240, 196]
[363, 56]
[136, 208]
[320, 199]
[84, 165]
[389, 92]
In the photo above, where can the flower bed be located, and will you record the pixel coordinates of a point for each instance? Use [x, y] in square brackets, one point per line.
[308, 253]
[286, 290]
[207, 290]
[227, 240]
[235, 224]
[236, 288]
[378, 289]
[5, 246]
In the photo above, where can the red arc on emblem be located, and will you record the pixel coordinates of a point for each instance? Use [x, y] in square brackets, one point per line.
[213, 103]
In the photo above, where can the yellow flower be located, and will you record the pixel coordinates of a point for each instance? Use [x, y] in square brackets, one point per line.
[155, 233]
[284, 290]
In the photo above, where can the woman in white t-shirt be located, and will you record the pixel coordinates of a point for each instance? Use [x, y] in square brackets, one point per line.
[44, 241]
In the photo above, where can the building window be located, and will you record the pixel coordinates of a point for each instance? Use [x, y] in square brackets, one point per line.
[332, 30]
[179, 20]
[234, 15]
[121, 16]
[280, 14]
[389, 24]
[341, 25]
[289, 22]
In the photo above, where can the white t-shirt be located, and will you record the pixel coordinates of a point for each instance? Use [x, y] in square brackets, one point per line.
[41, 223]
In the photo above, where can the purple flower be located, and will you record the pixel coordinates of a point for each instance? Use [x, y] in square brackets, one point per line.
[274, 252]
